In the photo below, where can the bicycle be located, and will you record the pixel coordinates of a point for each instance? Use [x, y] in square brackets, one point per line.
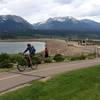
[25, 63]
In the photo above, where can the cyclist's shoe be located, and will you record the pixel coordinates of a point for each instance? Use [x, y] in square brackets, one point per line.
[29, 65]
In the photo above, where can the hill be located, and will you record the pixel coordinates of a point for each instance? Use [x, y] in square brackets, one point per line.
[12, 25]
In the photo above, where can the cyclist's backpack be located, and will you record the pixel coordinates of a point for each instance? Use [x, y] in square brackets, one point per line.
[33, 50]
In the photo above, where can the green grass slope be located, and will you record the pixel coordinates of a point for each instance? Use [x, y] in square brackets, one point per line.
[82, 84]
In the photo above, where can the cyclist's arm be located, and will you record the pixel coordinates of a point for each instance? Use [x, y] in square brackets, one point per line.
[26, 50]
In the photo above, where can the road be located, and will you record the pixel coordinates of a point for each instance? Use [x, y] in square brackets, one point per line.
[9, 80]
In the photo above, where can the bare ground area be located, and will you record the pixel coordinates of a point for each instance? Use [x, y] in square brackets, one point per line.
[56, 46]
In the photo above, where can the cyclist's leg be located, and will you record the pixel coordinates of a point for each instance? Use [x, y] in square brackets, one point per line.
[27, 59]
[30, 58]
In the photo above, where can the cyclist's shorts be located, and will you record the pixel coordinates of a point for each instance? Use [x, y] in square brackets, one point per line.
[32, 55]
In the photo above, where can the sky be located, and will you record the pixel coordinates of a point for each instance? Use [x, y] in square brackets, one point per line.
[39, 10]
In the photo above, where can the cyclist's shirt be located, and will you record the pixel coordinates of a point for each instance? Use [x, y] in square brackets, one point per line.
[30, 49]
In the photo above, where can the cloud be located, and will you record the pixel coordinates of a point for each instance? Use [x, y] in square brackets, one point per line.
[63, 1]
[39, 10]
[5, 11]
[1, 0]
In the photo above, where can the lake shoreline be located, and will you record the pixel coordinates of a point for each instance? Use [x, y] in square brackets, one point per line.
[55, 46]
[23, 40]
[17, 46]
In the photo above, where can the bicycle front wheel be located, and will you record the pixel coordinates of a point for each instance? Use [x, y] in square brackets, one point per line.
[21, 68]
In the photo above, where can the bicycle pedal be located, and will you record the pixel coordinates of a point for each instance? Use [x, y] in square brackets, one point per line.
[29, 65]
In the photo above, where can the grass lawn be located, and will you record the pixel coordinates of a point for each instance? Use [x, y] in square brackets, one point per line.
[82, 84]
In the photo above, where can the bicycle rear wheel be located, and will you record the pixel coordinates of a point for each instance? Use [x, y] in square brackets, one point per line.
[33, 67]
[21, 68]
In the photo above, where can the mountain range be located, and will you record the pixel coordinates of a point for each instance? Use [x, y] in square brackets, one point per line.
[12, 25]
[68, 23]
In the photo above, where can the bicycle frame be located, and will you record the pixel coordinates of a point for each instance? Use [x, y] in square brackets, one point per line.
[27, 59]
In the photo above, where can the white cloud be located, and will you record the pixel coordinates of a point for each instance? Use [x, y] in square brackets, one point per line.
[39, 10]
[5, 11]
[63, 1]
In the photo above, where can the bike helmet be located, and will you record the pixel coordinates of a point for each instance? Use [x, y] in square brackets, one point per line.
[28, 44]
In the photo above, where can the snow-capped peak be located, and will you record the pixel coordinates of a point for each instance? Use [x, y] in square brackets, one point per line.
[3, 18]
[63, 19]
[15, 18]
[72, 19]
[18, 19]
[60, 19]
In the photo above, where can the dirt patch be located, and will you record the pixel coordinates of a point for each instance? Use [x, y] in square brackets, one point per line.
[44, 79]
[56, 46]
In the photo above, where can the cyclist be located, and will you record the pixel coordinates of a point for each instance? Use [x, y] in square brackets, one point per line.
[31, 51]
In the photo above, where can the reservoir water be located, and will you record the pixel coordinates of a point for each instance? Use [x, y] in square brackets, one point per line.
[19, 47]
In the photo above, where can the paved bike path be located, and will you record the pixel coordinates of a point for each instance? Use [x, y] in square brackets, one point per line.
[14, 78]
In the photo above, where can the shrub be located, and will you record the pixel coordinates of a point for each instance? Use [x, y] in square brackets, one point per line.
[48, 60]
[36, 60]
[5, 61]
[4, 56]
[16, 58]
[67, 58]
[41, 56]
[6, 64]
[59, 58]
[91, 55]
[81, 57]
